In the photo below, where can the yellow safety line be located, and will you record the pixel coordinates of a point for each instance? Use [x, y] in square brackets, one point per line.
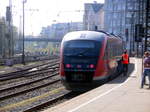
[31, 100]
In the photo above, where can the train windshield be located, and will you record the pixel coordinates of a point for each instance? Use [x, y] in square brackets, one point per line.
[81, 44]
[81, 48]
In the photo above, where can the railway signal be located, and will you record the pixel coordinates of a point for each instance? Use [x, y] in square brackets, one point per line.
[139, 32]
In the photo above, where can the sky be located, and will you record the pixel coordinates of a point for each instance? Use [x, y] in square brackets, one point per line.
[41, 13]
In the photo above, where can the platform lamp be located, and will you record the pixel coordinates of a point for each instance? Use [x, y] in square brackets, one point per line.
[23, 14]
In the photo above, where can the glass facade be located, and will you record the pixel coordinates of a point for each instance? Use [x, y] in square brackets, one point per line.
[119, 16]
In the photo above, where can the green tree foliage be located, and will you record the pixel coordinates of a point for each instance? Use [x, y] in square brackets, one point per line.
[4, 37]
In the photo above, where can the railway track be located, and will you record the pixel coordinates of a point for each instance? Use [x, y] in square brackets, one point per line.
[28, 86]
[30, 70]
[38, 102]
[33, 94]
[59, 95]
[34, 82]
[37, 87]
[17, 59]
[11, 92]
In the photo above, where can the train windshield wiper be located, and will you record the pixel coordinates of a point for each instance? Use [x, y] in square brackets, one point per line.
[82, 53]
[86, 52]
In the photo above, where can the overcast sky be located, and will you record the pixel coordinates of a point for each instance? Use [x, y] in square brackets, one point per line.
[39, 13]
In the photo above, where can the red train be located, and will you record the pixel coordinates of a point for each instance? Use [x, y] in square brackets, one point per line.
[89, 58]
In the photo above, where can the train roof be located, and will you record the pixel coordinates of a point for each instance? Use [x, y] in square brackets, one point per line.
[85, 35]
[90, 35]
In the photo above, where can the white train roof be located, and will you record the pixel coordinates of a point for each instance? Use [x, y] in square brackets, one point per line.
[84, 35]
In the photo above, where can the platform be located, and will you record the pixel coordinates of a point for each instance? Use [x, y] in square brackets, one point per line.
[120, 95]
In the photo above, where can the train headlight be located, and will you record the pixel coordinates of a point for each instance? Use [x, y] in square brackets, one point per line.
[68, 66]
[92, 66]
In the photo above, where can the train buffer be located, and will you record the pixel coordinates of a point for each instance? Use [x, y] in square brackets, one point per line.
[120, 95]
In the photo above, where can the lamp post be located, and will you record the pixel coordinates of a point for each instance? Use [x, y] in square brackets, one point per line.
[9, 19]
[147, 23]
[23, 15]
[132, 30]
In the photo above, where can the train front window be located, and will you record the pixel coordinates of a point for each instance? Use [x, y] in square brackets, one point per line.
[81, 48]
[81, 44]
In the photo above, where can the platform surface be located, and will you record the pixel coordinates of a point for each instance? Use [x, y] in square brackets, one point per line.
[120, 95]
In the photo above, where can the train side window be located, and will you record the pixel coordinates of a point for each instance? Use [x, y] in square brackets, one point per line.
[106, 53]
[108, 50]
[111, 51]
